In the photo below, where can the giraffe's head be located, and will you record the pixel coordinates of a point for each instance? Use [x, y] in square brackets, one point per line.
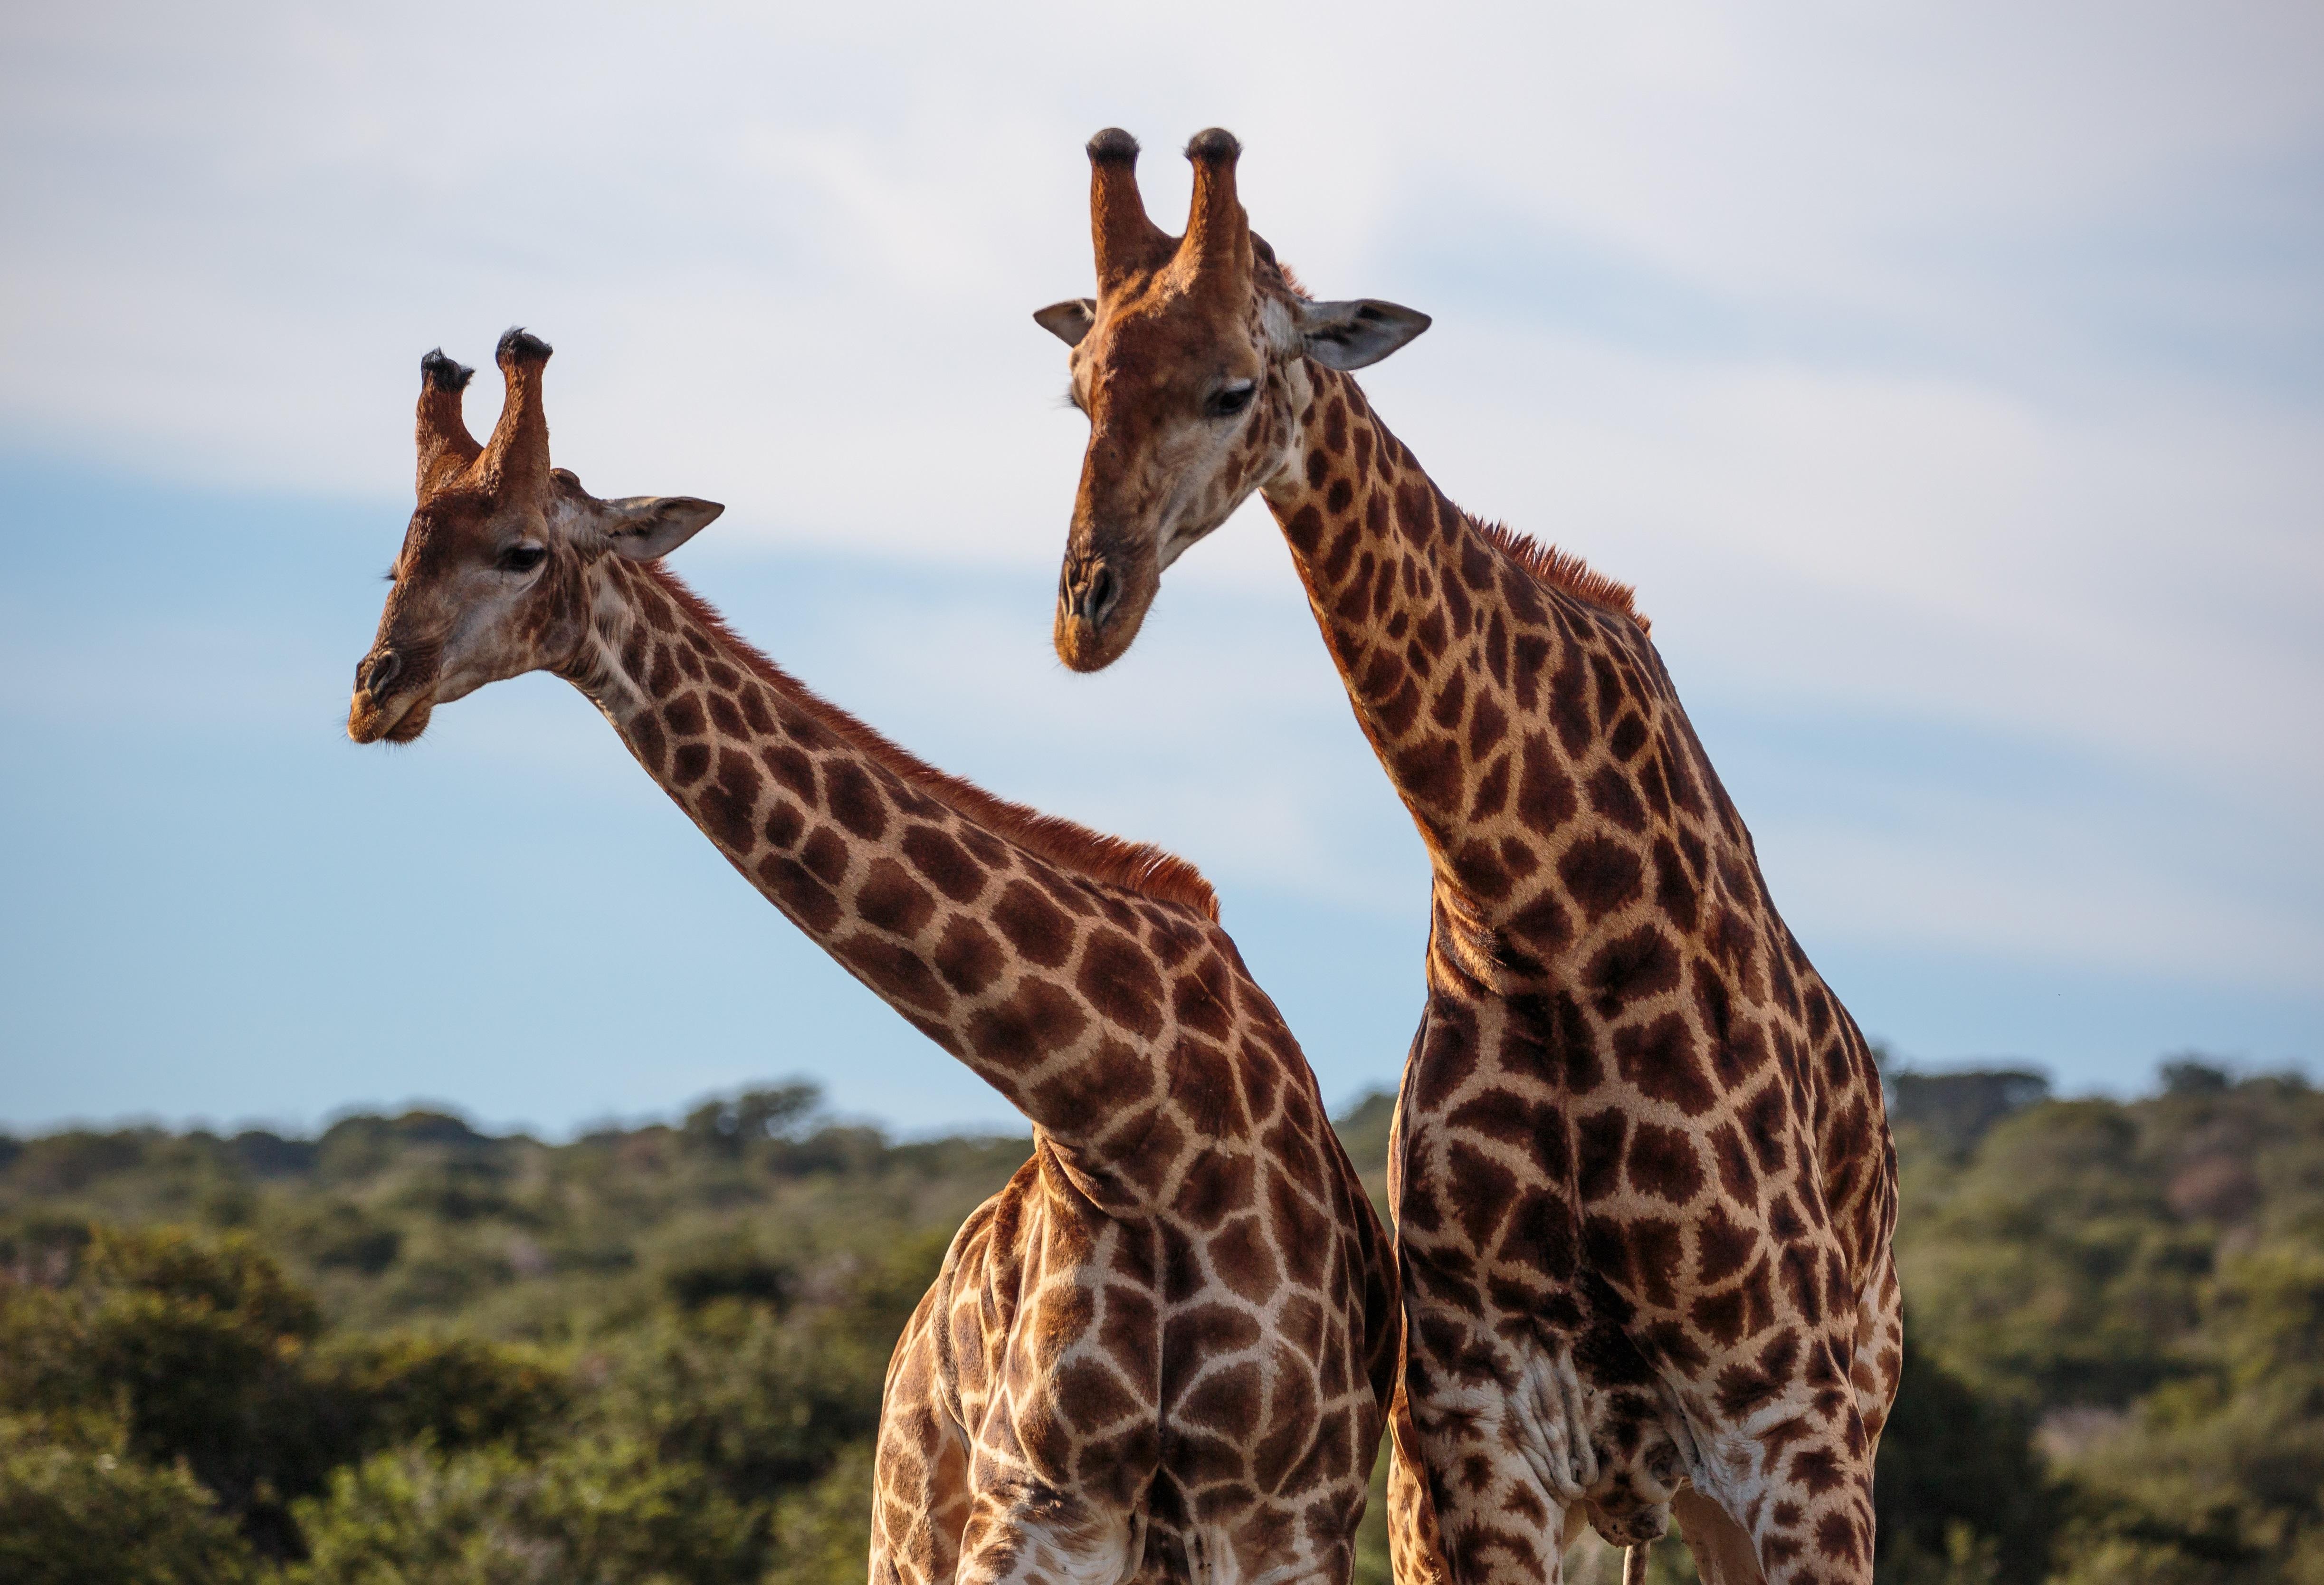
[1190, 362]
[491, 580]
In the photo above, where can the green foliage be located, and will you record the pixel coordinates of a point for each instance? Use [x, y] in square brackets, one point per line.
[75, 1513]
[592, 1512]
[409, 1350]
[822, 1533]
[1959, 1493]
[2143, 1284]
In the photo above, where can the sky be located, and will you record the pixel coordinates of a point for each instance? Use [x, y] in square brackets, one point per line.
[1949, 379]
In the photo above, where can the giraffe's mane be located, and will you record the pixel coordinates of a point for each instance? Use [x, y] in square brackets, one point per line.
[1545, 564]
[1562, 569]
[1111, 860]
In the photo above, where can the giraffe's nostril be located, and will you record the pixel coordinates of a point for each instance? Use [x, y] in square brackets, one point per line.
[382, 672]
[1087, 591]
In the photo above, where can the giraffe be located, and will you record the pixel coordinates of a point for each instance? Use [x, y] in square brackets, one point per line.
[1642, 1181]
[1166, 1347]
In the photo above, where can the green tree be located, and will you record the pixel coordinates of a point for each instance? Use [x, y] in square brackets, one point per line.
[594, 1512]
[75, 1513]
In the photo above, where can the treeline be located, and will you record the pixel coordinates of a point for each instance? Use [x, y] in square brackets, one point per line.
[406, 1350]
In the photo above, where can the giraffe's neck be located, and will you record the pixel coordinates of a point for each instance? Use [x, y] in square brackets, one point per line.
[1495, 699]
[1039, 979]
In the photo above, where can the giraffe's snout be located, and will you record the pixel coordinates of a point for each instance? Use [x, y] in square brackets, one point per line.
[1101, 600]
[382, 708]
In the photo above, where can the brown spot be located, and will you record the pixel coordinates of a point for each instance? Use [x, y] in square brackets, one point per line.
[854, 800]
[1719, 1317]
[1034, 924]
[684, 717]
[935, 854]
[894, 970]
[1541, 922]
[1641, 964]
[690, 764]
[1836, 1536]
[1767, 1123]
[1244, 1260]
[1220, 1183]
[1721, 1246]
[1396, 715]
[1662, 1062]
[1482, 873]
[1226, 1403]
[1447, 1055]
[1484, 1191]
[891, 899]
[1039, 1019]
[1545, 798]
[1112, 1082]
[1664, 1162]
[825, 853]
[729, 807]
[1816, 1470]
[784, 823]
[1091, 1397]
[1656, 1254]
[1612, 795]
[1429, 634]
[1429, 772]
[1569, 704]
[1601, 1136]
[1451, 699]
[1204, 997]
[1203, 1332]
[968, 955]
[792, 769]
[1121, 982]
[1610, 687]
[1600, 874]
[799, 893]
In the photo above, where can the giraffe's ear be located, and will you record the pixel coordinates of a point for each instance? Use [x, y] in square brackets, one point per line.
[647, 528]
[1069, 320]
[1355, 334]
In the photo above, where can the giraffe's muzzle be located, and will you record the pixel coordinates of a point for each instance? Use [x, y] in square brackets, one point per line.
[377, 711]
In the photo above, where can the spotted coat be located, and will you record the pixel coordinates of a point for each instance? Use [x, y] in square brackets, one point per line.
[1166, 1347]
[1643, 1181]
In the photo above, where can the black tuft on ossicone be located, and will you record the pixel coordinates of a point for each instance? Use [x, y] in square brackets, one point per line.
[521, 345]
[443, 373]
[1217, 143]
[1113, 146]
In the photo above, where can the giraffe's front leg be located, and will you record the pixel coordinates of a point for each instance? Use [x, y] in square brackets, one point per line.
[1501, 1440]
[919, 1473]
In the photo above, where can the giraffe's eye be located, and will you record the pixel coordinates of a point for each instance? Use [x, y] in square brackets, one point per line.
[1230, 400]
[521, 558]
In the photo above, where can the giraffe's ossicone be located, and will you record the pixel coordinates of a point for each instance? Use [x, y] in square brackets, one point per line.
[1167, 1349]
[1643, 1181]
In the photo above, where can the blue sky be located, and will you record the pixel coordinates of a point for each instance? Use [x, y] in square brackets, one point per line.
[1947, 379]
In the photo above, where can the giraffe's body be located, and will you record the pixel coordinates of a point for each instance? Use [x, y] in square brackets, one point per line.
[1642, 1176]
[1166, 1348]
